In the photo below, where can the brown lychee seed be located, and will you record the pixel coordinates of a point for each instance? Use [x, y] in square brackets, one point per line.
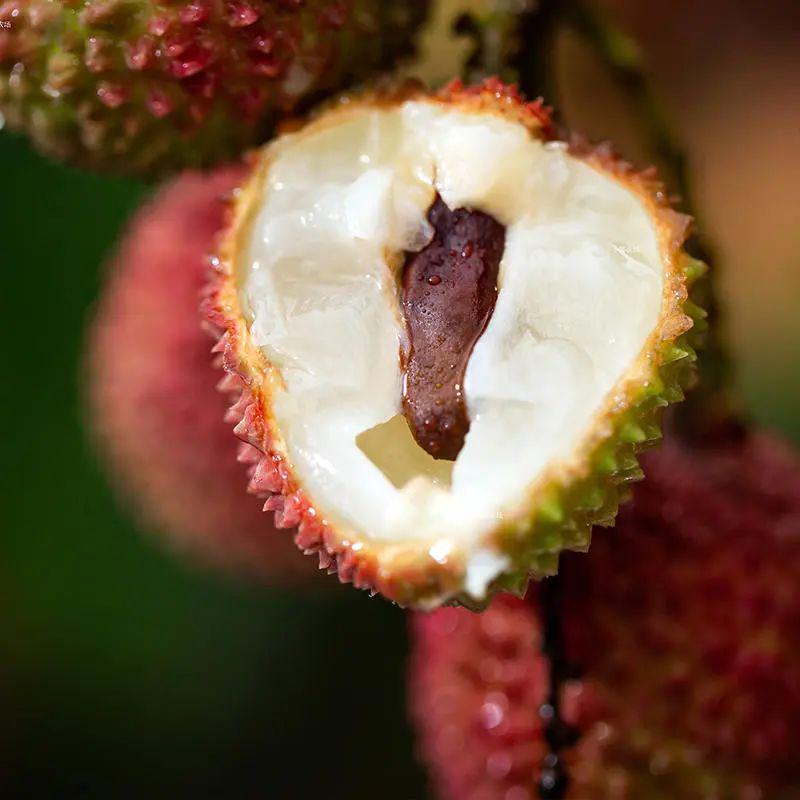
[146, 87]
[449, 289]
[553, 335]
[681, 634]
[154, 407]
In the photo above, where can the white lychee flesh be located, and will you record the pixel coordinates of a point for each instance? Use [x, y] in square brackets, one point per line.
[580, 292]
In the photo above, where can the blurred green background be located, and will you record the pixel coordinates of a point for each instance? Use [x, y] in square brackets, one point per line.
[124, 673]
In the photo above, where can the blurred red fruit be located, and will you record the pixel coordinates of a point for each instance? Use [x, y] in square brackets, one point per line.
[683, 623]
[153, 402]
[150, 87]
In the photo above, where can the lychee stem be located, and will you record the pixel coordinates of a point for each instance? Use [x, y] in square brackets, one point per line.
[620, 55]
[512, 44]
[554, 777]
[535, 63]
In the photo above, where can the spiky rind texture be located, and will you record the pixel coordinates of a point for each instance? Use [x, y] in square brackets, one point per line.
[683, 625]
[563, 504]
[143, 86]
[151, 387]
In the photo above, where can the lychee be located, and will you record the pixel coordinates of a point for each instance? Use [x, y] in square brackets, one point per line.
[451, 333]
[153, 402]
[139, 86]
[681, 639]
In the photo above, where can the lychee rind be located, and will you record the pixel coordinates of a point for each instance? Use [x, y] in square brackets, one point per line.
[144, 87]
[568, 502]
[154, 407]
[682, 625]
[477, 681]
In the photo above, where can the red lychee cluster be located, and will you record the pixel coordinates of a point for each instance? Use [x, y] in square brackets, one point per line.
[682, 625]
[159, 419]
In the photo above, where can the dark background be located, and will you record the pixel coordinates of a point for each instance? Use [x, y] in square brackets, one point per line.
[124, 673]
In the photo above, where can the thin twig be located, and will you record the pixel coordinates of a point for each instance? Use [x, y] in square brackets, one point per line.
[535, 61]
[620, 55]
[554, 776]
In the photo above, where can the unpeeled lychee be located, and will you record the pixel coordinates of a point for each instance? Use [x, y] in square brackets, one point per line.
[140, 86]
[153, 402]
[682, 629]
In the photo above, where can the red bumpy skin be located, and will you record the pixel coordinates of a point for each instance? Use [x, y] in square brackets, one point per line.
[144, 86]
[684, 625]
[152, 392]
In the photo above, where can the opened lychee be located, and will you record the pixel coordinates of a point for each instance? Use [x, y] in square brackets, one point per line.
[451, 331]
[681, 636]
[154, 405]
